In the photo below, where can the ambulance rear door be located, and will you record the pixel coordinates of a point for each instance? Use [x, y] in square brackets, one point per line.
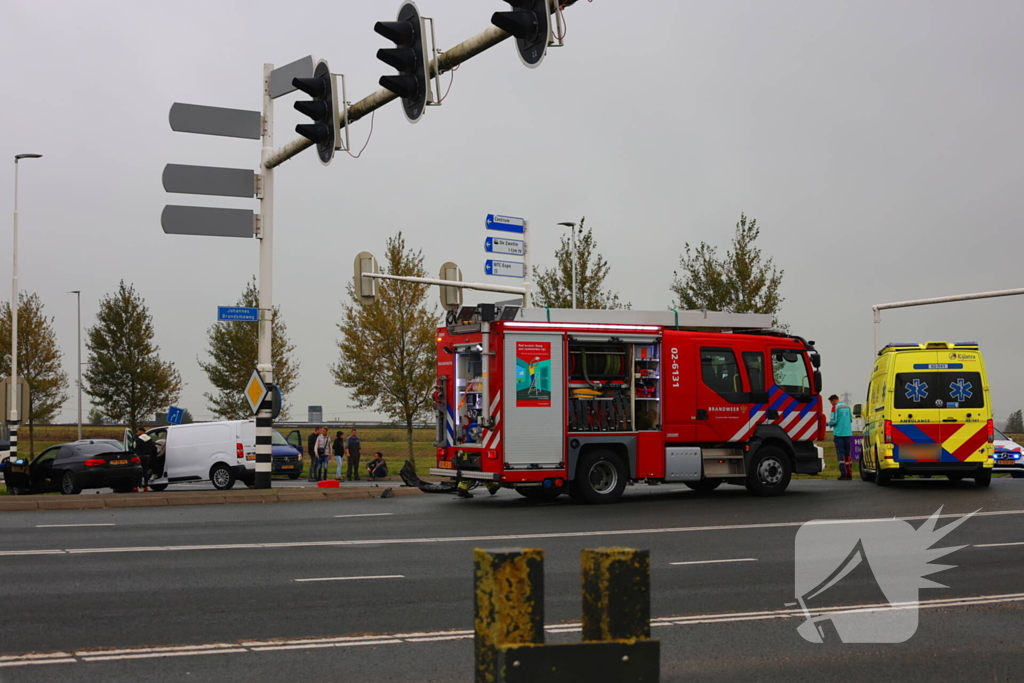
[532, 419]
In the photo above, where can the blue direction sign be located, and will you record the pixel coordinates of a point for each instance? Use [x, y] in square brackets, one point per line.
[504, 268]
[503, 245]
[505, 223]
[175, 415]
[239, 313]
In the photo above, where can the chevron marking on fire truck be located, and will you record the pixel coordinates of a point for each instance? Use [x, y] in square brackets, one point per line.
[797, 419]
[494, 433]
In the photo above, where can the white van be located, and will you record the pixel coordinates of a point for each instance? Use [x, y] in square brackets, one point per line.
[219, 452]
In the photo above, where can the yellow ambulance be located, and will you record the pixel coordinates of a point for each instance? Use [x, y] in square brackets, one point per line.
[928, 413]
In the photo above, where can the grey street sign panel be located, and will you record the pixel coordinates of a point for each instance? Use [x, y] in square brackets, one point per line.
[281, 77]
[5, 399]
[223, 182]
[212, 222]
[232, 123]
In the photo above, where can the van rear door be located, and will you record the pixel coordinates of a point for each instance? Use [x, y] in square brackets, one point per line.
[964, 414]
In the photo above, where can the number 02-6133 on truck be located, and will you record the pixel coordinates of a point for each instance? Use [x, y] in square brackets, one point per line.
[552, 401]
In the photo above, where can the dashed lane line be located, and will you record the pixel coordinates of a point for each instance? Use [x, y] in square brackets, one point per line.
[352, 578]
[61, 526]
[478, 539]
[736, 559]
[435, 636]
[367, 514]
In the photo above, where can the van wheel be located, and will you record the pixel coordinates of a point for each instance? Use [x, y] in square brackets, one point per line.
[883, 477]
[983, 479]
[221, 477]
[158, 487]
[770, 472]
[68, 485]
[294, 475]
[1017, 475]
[600, 477]
[704, 485]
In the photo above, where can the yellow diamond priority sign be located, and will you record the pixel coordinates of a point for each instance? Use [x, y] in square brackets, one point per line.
[255, 391]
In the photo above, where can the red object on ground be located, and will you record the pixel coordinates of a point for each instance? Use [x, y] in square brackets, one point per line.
[328, 484]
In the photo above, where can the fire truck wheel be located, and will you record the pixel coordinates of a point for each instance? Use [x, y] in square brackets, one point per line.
[704, 485]
[600, 477]
[770, 471]
[539, 494]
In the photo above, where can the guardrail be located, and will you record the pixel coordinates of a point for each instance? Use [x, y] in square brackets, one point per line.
[509, 619]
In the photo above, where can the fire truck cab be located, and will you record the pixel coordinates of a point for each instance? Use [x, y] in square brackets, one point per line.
[552, 401]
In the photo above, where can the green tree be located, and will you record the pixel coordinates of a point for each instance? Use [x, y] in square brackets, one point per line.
[125, 376]
[234, 352]
[387, 350]
[554, 285]
[186, 417]
[742, 282]
[96, 416]
[1015, 423]
[39, 360]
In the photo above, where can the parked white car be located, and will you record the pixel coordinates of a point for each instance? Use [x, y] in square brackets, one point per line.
[1009, 456]
[218, 452]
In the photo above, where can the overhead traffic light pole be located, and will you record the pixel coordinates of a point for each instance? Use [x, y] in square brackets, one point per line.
[444, 62]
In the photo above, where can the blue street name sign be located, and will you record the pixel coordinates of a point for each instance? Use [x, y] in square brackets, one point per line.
[504, 268]
[503, 245]
[239, 313]
[174, 415]
[505, 223]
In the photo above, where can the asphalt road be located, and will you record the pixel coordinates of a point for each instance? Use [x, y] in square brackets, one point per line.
[223, 592]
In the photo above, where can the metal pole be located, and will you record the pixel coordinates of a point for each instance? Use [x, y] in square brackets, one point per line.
[79, 294]
[479, 286]
[15, 398]
[264, 421]
[526, 264]
[878, 326]
[572, 227]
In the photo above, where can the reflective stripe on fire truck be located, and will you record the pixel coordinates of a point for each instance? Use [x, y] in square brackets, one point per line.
[494, 433]
[449, 426]
[798, 420]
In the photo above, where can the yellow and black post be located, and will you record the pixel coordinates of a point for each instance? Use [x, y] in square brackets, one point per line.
[509, 603]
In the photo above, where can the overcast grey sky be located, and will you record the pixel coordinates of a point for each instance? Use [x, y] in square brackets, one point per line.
[877, 144]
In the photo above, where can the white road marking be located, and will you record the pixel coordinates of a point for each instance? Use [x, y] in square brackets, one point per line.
[368, 514]
[496, 537]
[434, 636]
[54, 526]
[997, 545]
[353, 578]
[738, 559]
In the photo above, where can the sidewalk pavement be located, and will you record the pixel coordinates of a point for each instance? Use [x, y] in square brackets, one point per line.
[348, 490]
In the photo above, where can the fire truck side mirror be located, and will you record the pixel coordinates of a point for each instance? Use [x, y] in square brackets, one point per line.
[365, 287]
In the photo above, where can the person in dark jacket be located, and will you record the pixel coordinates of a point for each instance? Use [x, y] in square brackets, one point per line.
[145, 449]
[311, 452]
[339, 453]
[354, 446]
[377, 468]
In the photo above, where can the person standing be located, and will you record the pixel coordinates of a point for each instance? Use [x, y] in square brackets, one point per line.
[311, 450]
[354, 446]
[323, 452]
[145, 449]
[339, 453]
[842, 433]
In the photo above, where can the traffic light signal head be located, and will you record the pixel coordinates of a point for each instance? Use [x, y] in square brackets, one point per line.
[323, 109]
[410, 57]
[529, 22]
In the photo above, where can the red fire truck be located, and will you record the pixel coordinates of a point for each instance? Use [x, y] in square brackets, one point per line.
[552, 401]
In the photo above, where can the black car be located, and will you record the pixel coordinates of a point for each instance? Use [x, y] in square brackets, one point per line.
[71, 467]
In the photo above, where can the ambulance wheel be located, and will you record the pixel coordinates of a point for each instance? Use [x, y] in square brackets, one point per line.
[600, 477]
[883, 477]
[770, 471]
[983, 479]
[704, 485]
[1017, 475]
[864, 474]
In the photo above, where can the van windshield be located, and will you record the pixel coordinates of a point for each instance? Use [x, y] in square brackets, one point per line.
[277, 440]
[938, 390]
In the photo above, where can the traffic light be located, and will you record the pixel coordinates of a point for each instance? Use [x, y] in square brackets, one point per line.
[410, 57]
[365, 288]
[323, 109]
[529, 22]
[451, 297]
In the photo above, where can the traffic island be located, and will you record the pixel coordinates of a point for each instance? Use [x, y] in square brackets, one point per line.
[124, 500]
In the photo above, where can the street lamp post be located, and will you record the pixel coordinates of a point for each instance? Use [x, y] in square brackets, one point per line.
[572, 227]
[14, 417]
[78, 292]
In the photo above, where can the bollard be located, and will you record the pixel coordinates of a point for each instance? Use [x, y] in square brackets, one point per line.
[509, 604]
[616, 594]
[508, 599]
